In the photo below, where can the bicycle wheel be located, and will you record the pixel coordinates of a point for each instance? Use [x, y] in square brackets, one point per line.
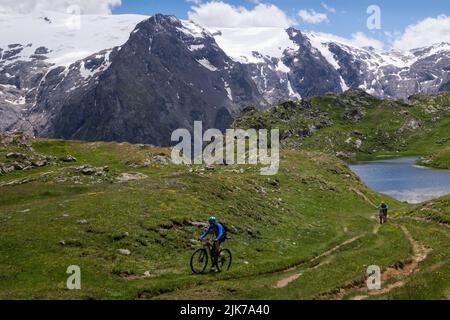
[199, 261]
[224, 260]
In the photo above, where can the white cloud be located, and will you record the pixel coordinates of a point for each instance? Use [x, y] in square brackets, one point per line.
[30, 6]
[328, 8]
[223, 15]
[425, 33]
[360, 39]
[313, 17]
[196, 2]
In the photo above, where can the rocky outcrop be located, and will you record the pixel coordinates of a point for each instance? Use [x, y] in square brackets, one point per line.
[89, 170]
[125, 177]
[16, 153]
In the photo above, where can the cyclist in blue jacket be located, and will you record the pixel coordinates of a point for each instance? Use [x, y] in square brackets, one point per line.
[219, 232]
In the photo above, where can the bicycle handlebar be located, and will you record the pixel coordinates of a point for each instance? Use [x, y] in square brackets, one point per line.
[208, 242]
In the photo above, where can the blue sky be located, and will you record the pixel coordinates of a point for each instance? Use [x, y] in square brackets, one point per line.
[350, 15]
[404, 24]
[343, 17]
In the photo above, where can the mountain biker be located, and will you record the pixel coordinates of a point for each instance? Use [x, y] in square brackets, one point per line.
[219, 232]
[383, 207]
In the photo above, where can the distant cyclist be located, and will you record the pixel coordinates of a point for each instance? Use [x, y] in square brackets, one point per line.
[219, 232]
[383, 207]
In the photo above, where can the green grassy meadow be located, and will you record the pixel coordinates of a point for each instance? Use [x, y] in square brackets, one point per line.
[315, 218]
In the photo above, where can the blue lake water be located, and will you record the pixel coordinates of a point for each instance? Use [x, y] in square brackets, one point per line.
[402, 179]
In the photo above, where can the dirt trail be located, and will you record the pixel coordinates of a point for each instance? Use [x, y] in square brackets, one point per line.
[329, 252]
[376, 229]
[287, 280]
[420, 219]
[362, 195]
[397, 272]
[401, 270]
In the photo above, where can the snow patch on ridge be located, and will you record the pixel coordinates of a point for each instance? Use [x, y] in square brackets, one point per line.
[241, 43]
[321, 45]
[89, 73]
[344, 86]
[292, 93]
[374, 58]
[196, 47]
[205, 63]
[281, 67]
[228, 90]
[192, 29]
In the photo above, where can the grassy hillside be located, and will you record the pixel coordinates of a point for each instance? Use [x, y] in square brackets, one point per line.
[356, 126]
[129, 218]
[437, 210]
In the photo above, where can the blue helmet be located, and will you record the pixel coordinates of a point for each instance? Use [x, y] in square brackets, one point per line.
[212, 220]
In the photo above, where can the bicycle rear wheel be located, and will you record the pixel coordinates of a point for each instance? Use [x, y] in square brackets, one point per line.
[199, 261]
[224, 260]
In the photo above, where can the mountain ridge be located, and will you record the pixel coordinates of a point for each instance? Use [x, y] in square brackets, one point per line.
[219, 84]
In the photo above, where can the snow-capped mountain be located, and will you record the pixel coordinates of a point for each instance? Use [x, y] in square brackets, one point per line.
[135, 78]
[164, 77]
[31, 45]
[392, 74]
[315, 63]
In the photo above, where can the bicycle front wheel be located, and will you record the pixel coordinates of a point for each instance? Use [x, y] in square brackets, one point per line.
[224, 260]
[199, 261]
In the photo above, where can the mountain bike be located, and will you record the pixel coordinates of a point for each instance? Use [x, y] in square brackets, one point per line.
[201, 257]
[383, 216]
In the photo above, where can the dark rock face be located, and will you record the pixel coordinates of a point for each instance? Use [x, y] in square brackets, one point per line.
[310, 74]
[350, 68]
[164, 78]
[18, 83]
[271, 82]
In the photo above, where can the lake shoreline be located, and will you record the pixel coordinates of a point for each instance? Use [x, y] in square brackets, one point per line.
[403, 178]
